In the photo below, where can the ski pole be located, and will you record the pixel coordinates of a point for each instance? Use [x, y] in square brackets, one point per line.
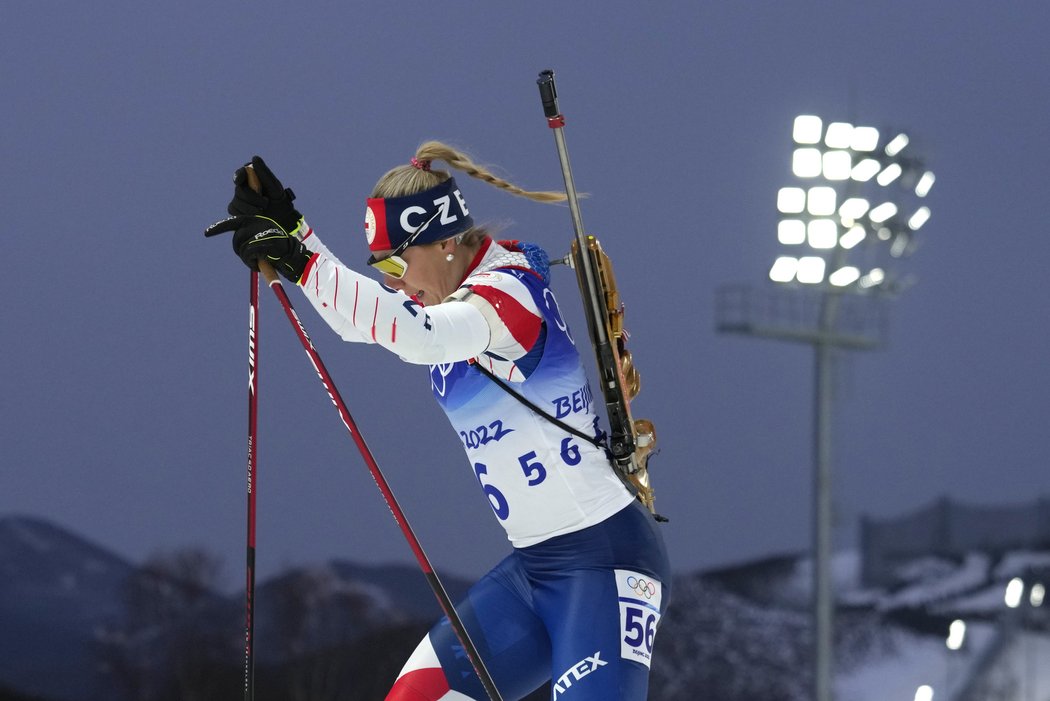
[253, 407]
[438, 588]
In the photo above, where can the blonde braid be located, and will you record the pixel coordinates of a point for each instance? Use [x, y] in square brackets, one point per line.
[435, 150]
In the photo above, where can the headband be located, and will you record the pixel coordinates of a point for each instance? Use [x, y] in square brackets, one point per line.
[391, 220]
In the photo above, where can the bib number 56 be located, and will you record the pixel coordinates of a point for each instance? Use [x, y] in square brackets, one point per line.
[640, 628]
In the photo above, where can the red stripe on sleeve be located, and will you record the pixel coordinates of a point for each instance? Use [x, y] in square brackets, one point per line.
[357, 293]
[523, 325]
[374, 317]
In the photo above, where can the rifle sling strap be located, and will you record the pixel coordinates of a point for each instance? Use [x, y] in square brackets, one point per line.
[557, 422]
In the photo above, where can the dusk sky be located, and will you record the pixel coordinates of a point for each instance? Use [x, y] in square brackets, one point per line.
[124, 368]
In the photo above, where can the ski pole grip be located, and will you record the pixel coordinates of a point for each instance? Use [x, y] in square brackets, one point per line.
[268, 273]
[548, 93]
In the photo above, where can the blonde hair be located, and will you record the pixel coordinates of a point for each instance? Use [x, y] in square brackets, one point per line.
[407, 179]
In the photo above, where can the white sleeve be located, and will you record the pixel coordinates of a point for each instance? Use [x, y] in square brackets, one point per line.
[360, 309]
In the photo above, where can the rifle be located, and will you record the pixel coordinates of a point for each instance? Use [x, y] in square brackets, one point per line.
[631, 441]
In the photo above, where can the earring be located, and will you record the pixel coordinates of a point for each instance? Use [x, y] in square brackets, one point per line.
[449, 257]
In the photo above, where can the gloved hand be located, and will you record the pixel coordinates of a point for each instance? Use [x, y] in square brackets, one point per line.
[273, 202]
[256, 237]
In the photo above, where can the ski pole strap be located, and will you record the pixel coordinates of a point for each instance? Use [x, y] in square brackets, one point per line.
[596, 442]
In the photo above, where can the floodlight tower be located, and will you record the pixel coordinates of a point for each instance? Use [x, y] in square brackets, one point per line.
[851, 214]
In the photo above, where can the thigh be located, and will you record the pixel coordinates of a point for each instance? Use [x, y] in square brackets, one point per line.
[500, 619]
[602, 624]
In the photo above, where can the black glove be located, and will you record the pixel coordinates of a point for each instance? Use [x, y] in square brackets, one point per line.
[274, 202]
[256, 237]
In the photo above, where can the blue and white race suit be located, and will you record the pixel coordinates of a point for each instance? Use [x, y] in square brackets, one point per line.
[578, 600]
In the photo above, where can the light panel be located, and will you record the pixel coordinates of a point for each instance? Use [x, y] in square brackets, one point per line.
[889, 174]
[810, 270]
[865, 170]
[806, 162]
[924, 693]
[852, 236]
[864, 139]
[874, 277]
[791, 232]
[845, 275]
[839, 135]
[1014, 592]
[807, 129]
[922, 188]
[921, 216]
[837, 165]
[784, 269]
[822, 233]
[791, 200]
[883, 212]
[956, 634]
[896, 145]
[854, 208]
[900, 244]
[820, 201]
[1036, 596]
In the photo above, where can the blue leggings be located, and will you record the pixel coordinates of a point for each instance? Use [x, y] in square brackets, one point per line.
[580, 610]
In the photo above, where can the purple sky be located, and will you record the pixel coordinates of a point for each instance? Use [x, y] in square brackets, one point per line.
[124, 363]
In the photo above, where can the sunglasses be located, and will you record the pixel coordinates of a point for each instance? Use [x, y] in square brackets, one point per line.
[394, 265]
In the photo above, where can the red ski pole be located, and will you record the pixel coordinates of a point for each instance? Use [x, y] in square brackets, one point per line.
[438, 588]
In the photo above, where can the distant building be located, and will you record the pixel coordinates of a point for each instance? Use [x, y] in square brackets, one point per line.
[948, 529]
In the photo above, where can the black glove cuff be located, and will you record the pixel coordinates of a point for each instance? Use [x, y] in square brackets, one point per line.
[292, 265]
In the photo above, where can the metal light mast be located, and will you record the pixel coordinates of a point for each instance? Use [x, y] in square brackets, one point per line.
[845, 222]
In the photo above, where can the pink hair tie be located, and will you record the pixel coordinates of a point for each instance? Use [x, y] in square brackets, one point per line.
[422, 165]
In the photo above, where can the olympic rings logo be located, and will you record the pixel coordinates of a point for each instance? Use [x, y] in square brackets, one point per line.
[642, 587]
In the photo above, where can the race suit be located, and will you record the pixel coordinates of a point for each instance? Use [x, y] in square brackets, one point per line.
[578, 600]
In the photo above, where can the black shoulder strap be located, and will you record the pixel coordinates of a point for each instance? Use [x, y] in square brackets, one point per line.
[557, 422]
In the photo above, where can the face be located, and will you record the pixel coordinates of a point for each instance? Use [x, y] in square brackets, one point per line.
[429, 277]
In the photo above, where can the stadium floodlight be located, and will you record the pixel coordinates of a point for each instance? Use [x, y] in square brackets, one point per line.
[791, 232]
[854, 235]
[921, 216]
[851, 203]
[784, 269]
[854, 208]
[874, 277]
[1035, 597]
[820, 201]
[806, 162]
[839, 135]
[882, 212]
[791, 200]
[846, 275]
[808, 129]
[865, 170]
[889, 174]
[924, 693]
[864, 139]
[810, 270]
[901, 244]
[896, 145]
[836, 165]
[1014, 592]
[822, 233]
[922, 188]
[956, 634]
